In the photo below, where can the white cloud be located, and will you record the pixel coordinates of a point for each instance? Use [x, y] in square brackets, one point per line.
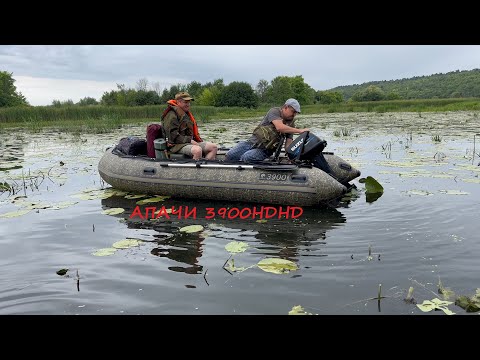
[62, 72]
[42, 91]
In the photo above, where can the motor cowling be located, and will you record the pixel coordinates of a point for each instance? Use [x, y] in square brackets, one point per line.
[305, 147]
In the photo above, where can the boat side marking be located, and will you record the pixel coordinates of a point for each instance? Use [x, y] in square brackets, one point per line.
[197, 183]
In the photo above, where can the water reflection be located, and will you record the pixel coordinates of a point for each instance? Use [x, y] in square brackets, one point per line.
[372, 197]
[285, 238]
[11, 154]
[185, 249]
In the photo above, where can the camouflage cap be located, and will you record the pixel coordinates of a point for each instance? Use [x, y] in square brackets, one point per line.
[184, 96]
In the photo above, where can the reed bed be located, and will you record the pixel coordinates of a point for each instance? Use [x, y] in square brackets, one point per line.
[103, 118]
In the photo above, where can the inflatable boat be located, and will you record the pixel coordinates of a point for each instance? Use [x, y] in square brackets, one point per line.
[303, 176]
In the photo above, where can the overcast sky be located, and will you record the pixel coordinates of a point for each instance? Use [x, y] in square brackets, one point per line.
[61, 72]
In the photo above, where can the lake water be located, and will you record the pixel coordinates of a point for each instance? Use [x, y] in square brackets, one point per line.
[422, 230]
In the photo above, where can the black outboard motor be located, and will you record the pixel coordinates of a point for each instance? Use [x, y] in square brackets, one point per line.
[308, 146]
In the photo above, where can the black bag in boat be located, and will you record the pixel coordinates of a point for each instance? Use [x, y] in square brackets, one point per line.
[132, 145]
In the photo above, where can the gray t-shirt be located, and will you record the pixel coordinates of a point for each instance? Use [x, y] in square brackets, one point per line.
[273, 114]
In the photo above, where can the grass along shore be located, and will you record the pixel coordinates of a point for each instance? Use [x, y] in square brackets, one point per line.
[99, 119]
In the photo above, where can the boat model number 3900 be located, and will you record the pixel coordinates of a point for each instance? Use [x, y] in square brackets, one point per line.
[270, 176]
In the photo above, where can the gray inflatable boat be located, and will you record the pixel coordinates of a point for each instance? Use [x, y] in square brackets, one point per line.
[303, 176]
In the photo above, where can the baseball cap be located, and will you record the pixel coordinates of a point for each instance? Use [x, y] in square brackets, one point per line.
[294, 104]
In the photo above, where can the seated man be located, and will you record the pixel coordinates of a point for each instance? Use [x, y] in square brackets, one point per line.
[182, 131]
[267, 135]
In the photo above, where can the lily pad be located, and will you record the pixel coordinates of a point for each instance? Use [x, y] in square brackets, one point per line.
[277, 266]
[93, 195]
[125, 244]
[152, 200]
[298, 310]
[104, 252]
[191, 228]
[115, 192]
[453, 192]
[113, 211]
[401, 164]
[236, 247]
[372, 197]
[434, 304]
[443, 176]
[168, 211]
[12, 214]
[36, 206]
[419, 192]
[475, 181]
[63, 205]
[134, 196]
[372, 186]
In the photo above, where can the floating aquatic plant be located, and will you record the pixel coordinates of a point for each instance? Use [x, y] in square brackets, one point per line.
[134, 196]
[125, 244]
[436, 304]
[113, 211]
[453, 192]
[191, 228]
[12, 214]
[445, 291]
[277, 266]
[409, 299]
[152, 200]
[372, 186]
[419, 192]
[105, 252]
[298, 310]
[469, 304]
[236, 247]
[93, 194]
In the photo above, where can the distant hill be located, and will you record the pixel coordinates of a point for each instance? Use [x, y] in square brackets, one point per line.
[455, 84]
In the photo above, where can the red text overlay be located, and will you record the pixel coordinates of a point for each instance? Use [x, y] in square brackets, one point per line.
[186, 212]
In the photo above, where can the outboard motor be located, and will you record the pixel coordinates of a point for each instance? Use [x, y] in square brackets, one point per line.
[308, 146]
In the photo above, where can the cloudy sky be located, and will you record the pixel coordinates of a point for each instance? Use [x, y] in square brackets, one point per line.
[61, 72]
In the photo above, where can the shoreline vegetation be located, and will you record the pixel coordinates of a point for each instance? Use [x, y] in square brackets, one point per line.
[100, 119]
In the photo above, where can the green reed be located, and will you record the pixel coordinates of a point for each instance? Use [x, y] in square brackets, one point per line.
[38, 116]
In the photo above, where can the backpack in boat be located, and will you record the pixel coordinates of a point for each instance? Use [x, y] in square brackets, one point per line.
[132, 145]
[154, 131]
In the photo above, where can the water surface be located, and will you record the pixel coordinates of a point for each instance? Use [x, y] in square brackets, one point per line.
[421, 230]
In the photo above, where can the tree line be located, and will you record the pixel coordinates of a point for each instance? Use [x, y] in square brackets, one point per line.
[216, 93]
[455, 84]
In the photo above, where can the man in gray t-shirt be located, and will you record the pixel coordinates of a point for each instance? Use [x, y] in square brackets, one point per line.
[266, 136]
